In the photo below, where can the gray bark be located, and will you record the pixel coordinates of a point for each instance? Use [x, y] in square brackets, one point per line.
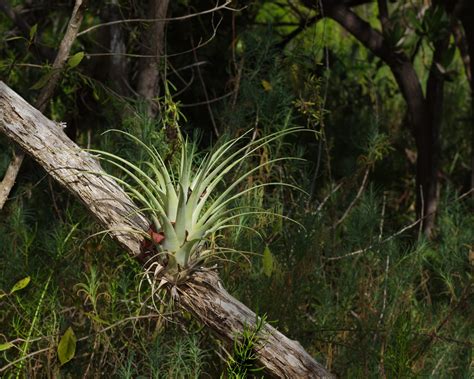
[203, 294]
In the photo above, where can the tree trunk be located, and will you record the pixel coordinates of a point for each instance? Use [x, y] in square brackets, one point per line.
[114, 68]
[467, 19]
[203, 294]
[425, 128]
[153, 40]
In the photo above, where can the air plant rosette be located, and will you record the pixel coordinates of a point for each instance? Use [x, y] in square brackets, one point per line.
[184, 205]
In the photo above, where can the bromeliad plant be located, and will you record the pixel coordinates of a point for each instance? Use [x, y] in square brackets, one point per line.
[182, 204]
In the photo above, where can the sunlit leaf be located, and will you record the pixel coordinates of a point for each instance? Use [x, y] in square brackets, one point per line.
[20, 284]
[67, 346]
[5, 346]
[75, 59]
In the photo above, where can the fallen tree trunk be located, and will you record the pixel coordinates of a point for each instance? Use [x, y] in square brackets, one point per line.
[203, 294]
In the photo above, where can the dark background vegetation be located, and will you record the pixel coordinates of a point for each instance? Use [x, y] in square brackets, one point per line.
[366, 289]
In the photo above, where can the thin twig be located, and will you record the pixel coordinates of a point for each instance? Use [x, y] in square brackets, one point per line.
[201, 44]
[387, 262]
[13, 363]
[422, 199]
[360, 251]
[210, 101]
[204, 88]
[356, 198]
[180, 18]
[321, 205]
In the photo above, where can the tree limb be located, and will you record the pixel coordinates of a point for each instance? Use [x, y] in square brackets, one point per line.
[63, 54]
[203, 294]
[46, 93]
[301, 27]
[10, 176]
[383, 15]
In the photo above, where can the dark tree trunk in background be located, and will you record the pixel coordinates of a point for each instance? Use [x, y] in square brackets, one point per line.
[466, 14]
[153, 40]
[425, 124]
[435, 100]
[117, 67]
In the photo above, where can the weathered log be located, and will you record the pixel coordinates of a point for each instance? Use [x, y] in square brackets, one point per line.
[203, 294]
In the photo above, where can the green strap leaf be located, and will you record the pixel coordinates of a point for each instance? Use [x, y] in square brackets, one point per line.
[20, 284]
[67, 346]
[5, 346]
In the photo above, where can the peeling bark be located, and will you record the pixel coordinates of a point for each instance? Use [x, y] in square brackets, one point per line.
[203, 294]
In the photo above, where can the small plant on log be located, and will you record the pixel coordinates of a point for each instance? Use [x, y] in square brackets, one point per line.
[183, 205]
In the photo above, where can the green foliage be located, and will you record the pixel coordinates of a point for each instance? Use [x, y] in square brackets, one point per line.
[356, 286]
[182, 205]
[242, 363]
[67, 346]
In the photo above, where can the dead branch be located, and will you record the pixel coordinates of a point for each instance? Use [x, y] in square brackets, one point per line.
[10, 177]
[203, 294]
[46, 93]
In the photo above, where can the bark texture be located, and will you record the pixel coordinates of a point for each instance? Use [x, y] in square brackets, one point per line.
[153, 40]
[202, 295]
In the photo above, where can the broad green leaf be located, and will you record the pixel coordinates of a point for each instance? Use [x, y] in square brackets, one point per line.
[5, 346]
[268, 262]
[67, 346]
[20, 284]
[33, 30]
[75, 59]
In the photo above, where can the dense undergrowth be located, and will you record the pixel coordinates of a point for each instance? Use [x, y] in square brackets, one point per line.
[353, 279]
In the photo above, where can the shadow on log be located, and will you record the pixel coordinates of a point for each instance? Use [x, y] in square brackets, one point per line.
[203, 295]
